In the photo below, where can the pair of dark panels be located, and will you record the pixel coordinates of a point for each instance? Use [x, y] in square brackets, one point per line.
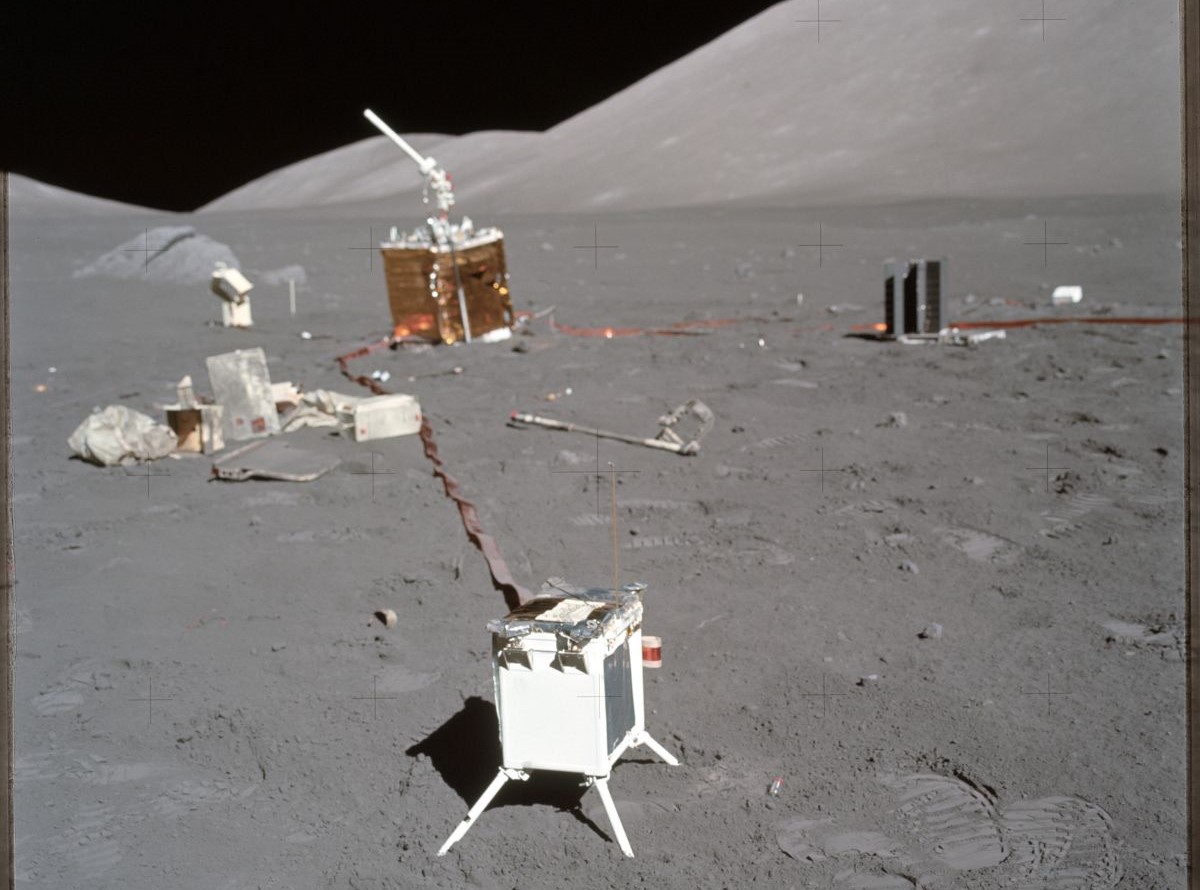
[912, 297]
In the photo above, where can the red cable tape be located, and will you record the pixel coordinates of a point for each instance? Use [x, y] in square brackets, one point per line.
[502, 579]
[1081, 319]
[677, 329]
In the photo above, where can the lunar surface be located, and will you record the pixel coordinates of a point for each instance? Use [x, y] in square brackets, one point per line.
[935, 589]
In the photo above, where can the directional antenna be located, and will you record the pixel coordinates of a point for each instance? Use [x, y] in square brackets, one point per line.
[612, 488]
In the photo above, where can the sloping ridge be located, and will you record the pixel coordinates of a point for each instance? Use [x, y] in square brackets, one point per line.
[949, 98]
[30, 197]
[375, 169]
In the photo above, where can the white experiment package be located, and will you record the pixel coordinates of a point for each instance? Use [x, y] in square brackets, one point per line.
[1067, 293]
[234, 290]
[568, 683]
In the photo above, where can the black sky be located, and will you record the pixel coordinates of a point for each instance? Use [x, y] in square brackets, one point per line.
[171, 104]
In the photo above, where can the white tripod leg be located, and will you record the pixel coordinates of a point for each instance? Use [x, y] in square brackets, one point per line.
[645, 739]
[480, 805]
[614, 818]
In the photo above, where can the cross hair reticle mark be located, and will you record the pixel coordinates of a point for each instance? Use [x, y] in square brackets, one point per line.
[371, 248]
[375, 698]
[824, 695]
[1047, 468]
[821, 244]
[148, 474]
[595, 247]
[1042, 18]
[821, 470]
[818, 21]
[1048, 692]
[147, 250]
[373, 473]
[150, 699]
[1045, 244]
[598, 473]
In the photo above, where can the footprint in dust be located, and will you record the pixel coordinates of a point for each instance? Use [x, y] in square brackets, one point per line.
[57, 700]
[951, 827]
[1061, 843]
[83, 848]
[957, 821]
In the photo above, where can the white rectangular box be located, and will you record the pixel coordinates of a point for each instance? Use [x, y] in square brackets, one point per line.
[570, 705]
[1067, 293]
[382, 417]
[237, 315]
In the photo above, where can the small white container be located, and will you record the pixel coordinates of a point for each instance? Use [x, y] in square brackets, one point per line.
[383, 417]
[1068, 293]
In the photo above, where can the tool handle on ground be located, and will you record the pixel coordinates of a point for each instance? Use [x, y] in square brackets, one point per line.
[550, 423]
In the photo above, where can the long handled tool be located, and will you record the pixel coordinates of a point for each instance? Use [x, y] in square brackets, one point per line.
[667, 440]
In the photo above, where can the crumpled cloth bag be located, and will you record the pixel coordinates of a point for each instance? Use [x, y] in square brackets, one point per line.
[119, 435]
[321, 407]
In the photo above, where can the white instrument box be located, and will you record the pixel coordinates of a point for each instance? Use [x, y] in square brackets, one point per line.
[568, 681]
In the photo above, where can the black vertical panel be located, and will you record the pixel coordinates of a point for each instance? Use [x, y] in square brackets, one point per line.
[893, 297]
[889, 301]
[911, 300]
[934, 310]
[618, 695]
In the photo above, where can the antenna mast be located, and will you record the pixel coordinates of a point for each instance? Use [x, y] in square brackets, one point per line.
[612, 485]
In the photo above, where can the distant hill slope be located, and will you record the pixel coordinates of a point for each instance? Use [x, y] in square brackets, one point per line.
[370, 169]
[28, 196]
[898, 100]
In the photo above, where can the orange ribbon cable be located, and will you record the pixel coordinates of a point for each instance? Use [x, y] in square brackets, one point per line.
[1079, 319]
[502, 579]
[681, 328]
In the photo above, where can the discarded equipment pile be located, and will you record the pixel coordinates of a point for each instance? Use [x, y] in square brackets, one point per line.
[245, 406]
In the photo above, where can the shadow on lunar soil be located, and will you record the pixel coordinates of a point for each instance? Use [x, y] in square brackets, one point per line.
[465, 751]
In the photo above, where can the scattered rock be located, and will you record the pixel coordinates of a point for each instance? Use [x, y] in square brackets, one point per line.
[931, 632]
[895, 419]
[909, 566]
[386, 617]
[868, 679]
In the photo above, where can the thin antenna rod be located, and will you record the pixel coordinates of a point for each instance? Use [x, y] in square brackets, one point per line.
[612, 485]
